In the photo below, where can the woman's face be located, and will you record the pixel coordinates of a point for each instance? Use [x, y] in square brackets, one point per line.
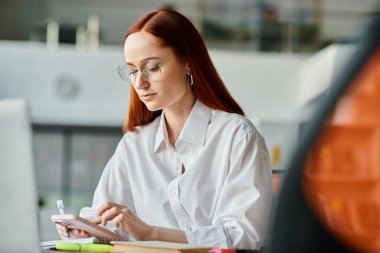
[164, 84]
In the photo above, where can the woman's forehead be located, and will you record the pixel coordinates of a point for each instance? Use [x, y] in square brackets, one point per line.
[142, 45]
[143, 41]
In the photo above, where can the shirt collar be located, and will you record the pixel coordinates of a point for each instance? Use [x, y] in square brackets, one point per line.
[194, 130]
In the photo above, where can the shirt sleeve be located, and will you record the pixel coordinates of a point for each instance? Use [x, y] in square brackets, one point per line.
[242, 214]
[113, 186]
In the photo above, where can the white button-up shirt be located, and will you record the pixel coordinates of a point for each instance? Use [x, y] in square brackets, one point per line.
[224, 196]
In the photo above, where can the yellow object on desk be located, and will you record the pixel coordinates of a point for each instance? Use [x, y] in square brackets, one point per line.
[89, 247]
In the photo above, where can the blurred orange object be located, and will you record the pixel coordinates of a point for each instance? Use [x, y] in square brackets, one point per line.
[341, 179]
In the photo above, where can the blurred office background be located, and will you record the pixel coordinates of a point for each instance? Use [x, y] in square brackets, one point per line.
[276, 57]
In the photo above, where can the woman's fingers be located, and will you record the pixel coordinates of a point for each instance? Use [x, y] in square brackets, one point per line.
[109, 215]
[106, 206]
[59, 228]
[67, 233]
[108, 211]
[97, 220]
[61, 231]
[128, 222]
[118, 220]
[78, 233]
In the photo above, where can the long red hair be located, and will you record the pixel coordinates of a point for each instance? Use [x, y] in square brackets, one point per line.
[178, 33]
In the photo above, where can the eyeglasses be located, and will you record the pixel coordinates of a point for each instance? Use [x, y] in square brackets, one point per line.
[150, 69]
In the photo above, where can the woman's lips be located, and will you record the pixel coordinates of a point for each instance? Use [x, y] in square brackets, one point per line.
[148, 96]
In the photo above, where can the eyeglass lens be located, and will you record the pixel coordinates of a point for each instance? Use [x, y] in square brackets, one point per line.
[150, 69]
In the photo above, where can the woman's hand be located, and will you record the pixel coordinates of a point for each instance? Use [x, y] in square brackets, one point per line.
[67, 233]
[126, 220]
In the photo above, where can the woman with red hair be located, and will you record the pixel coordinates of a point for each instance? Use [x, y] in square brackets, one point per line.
[190, 167]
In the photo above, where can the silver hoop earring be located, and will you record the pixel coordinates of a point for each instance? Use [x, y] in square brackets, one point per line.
[191, 81]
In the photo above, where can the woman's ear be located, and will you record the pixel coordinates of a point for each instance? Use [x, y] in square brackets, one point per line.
[188, 68]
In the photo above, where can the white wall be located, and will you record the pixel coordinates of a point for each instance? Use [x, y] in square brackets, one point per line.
[92, 94]
[264, 84]
[65, 86]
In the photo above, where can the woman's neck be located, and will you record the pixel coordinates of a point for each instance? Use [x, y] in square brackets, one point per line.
[175, 119]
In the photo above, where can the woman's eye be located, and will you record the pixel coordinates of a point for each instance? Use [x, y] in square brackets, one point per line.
[152, 66]
[132, 71]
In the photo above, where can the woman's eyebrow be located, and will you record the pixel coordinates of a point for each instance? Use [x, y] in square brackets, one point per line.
[145, 59]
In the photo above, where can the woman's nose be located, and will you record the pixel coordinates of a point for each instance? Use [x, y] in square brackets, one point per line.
[141, 81]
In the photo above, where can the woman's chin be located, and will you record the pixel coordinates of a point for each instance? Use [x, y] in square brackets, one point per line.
[152, 107]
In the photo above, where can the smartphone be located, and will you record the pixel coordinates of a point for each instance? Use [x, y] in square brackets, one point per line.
[76, 222]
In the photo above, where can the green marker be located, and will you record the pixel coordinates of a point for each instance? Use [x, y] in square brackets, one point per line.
[72, 246]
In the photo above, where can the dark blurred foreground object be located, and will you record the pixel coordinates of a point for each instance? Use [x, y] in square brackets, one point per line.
[330, 198]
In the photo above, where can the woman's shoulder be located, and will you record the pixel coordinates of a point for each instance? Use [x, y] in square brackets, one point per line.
[234, 127]
[142, 131]
[232, 121]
